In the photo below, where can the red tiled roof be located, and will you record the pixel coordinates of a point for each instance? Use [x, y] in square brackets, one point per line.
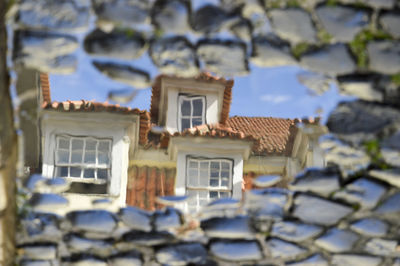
[226, 105]
[90, 106]
[275, 135]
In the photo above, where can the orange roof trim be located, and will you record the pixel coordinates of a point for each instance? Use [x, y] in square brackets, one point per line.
[214, 130]
[89, 106]
[45, 87]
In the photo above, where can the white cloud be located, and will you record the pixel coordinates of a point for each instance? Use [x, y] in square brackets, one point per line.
[276, 99]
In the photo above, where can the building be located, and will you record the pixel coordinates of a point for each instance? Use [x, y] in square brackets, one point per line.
[186, 144]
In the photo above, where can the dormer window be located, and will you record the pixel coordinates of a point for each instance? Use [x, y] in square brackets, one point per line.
[191, 111]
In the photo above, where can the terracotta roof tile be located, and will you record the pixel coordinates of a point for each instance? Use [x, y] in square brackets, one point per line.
[156, 94]
[45, 86]
[275, 135]
[89, 106]
[215, 131]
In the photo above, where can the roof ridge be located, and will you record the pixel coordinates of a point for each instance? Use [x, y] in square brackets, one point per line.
[263, 117]
[85, 105]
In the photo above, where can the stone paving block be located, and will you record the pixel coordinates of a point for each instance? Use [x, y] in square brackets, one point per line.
[337, 240]
[370, 227]
[236, 250]
[384, 56]
[332, 59]
[270, 51]
[226, 58]
[314, 210]
[390, 22]
[116, 44]
[53, 15]
[364, 192]
[342, 22]
[293, 24]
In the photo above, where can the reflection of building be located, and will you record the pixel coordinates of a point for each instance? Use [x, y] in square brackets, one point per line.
[187, 144]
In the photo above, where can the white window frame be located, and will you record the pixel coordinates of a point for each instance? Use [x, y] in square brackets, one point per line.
[191, 98]
[217, 189]
[82, 165]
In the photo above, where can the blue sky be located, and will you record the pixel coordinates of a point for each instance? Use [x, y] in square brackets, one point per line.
[264, 92]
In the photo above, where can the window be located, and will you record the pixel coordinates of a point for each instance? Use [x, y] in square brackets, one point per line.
[83, 159]
[191, 111]
[206, 180]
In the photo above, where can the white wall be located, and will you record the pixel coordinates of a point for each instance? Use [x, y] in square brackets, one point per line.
[101, 125]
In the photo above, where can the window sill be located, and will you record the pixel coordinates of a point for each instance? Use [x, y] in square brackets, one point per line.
[210, 188]
[86, 181]
[91, 195]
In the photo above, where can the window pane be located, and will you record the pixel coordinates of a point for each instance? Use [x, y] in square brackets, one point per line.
[198, 107]
[192, 172]
[104, 146]
[214, 194]
[192, 178]
[193, 181]
[204, 173]
[214, 182]
[90, 157]
[224, 174]
[204, 178]
[75, 172]
[76, 156]
[103, 158]
[214, 173]
[193, 164]
[197, 122]
[91, 145]
[62, 171]
[214, 165]
[185, 108]
[225, 166]
[102, 174]
[62, 156]
[224, 182]
[77, 144]
[63, 143]
[185, 123]
[204, 165]
[88, 173]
